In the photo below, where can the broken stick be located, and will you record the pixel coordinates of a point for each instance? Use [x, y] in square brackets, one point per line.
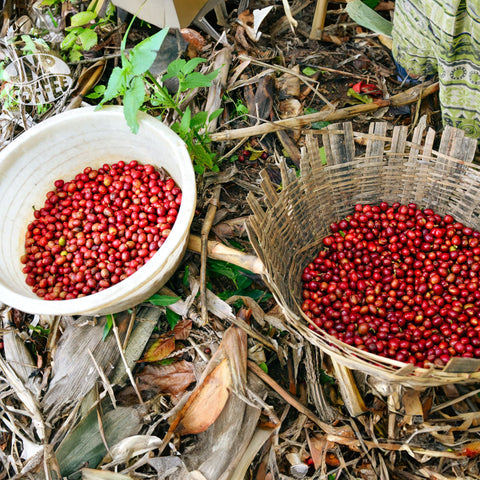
[407, 97]
[207, 225]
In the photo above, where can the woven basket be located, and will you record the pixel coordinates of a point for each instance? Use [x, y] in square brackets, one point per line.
[287, 235]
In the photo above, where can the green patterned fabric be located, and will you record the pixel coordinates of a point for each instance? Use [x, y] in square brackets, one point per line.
[443, 37]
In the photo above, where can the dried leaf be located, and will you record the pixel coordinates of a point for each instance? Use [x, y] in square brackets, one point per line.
[160, 349]
[130, 447]
[182, 329]
[290, 108]
[471, 449]
[288, 85]
[246, 18]
[318, 445]
[209, 402]
[170, 379]
[92, 474]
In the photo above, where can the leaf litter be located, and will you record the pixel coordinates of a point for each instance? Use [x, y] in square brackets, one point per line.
[167, 394]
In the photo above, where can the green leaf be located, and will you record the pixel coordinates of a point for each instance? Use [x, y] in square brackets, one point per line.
[98, 92]
[199, 120]
[197, 80]
[371, 3]
[359, 96]
[185, 281]
[309, 71]
[243, 282]
[215, 114]
[174, 69]
[69, 40]
[115, 86]
[185, 122]
[163, 300]
[202, 157]
[132, 101]
[108, 326]
[172, 318]
[88, 38]
[162, 98]
[191, 65]
[221, 268]
[143, 55]
[264, 367]
[82, 18]
[44, 332]
[75, 53]
[368, 18]
[316, 125]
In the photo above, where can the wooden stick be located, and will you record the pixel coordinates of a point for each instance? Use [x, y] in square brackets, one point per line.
[207, 225]
[218, 251]
[288, 397]
[410, 96]
[288, 14]
[319, 20]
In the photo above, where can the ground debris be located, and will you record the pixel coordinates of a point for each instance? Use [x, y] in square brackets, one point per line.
[211, 381]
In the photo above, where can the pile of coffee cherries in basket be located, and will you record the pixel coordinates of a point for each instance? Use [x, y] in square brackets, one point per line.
[98, 228]
[400, 282]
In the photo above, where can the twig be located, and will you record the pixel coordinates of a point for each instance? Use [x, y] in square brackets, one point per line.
[455, 400]
[104, 378]
[319, 20]
[405, 98]
[207, 225]
[288, 14]
[131, 323]
[218, 251]
[124, 360]
[289, 398]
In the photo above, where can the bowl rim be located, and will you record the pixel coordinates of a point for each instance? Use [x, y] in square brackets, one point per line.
[104, 299]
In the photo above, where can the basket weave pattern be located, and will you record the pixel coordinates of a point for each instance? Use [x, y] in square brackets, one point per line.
[288, 233]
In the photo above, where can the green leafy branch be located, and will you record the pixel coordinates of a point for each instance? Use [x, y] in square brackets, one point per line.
[133, 82]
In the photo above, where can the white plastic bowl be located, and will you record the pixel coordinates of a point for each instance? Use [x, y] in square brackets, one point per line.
[61, 147]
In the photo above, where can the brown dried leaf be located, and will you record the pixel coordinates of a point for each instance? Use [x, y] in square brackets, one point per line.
[241, 39]
[209, 402]
[182, 329]
[471, 449]
[160, 349]
[288, 85]
[290, 108]
[318, 445]
[246, 18]
[170, 379]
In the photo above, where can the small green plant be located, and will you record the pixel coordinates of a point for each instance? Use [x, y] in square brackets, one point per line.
[240, 279]
[137, 86]
[108, 326]
[81, 35]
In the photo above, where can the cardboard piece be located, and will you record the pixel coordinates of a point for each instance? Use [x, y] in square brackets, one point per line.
[167, 13]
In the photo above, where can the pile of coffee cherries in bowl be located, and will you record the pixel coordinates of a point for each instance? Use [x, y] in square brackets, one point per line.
[98, 228]
[400, 282]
